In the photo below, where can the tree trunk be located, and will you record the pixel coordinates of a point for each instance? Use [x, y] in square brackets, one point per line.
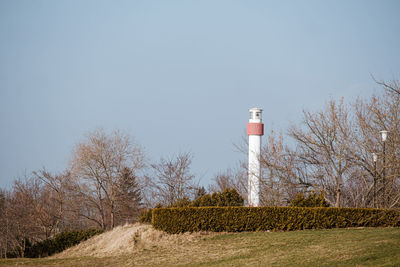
[337, 202]
[23, 248]
[112, 214]
[338, 191]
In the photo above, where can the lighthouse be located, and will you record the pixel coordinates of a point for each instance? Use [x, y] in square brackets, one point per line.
[255, 129]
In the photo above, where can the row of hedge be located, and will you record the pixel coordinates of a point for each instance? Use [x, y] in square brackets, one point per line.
[237, 219]
[59, 243]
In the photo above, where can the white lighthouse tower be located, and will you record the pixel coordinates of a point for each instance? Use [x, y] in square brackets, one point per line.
[255, 129]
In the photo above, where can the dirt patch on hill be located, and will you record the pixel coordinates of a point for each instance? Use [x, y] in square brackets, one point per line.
[127, 239]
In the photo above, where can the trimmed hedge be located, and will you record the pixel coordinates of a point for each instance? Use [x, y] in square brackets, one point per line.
[59, 243]
[226, 198]
[238, 219]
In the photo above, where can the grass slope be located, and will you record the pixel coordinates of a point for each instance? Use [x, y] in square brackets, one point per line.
[335, 247]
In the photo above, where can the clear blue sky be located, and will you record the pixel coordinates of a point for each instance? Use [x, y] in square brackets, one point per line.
[178, 75]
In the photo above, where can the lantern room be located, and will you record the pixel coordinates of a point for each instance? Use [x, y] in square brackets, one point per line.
[255, 115]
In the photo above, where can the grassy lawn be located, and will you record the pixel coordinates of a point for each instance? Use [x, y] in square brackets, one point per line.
[336, 247]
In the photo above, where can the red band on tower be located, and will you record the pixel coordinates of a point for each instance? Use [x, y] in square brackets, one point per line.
[255, 128]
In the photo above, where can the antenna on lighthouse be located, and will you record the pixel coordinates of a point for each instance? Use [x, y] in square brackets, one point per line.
[255, 129]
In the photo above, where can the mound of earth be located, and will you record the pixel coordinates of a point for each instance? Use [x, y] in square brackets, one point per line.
[126, 239]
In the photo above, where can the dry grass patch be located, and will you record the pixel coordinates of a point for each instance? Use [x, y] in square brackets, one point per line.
[128, 239]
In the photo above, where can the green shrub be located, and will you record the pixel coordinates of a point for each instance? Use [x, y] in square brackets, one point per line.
[237, 219]
[184, 202]
[204, 201]
[59, 243]
[226, 198]
[312, 200]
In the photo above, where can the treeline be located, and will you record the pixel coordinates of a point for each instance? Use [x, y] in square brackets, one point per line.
[109, 181]
[338, 151]
[341, 152]
[99, 190]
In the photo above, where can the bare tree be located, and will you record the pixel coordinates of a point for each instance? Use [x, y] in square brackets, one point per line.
[97, 165]
[101, 189]
[55, 187]
[322, 144]
[332, 152]
[30, 212]
[231, 178]
[319, 160]
[23, 216]
[171, 180]
[4, 223]
[377, 114]
[392, 86]
[284, 173]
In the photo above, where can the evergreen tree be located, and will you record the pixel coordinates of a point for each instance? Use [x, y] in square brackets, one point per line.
[128, 197]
